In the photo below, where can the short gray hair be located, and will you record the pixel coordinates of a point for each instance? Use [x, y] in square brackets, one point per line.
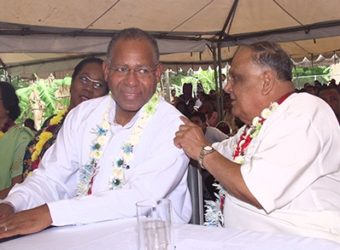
[273, 56]
[134, 34]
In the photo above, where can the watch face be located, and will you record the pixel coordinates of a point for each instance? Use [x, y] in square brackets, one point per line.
[208, 148]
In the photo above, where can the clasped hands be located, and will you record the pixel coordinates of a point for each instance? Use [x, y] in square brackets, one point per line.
[24, 222]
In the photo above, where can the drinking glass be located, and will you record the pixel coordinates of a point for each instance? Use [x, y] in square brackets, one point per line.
[154, 224]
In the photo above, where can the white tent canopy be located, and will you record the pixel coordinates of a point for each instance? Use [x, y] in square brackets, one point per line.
[38, 36]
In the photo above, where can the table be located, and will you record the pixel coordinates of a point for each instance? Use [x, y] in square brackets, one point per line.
[122, 234]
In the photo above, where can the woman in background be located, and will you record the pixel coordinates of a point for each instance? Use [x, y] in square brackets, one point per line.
[87, 83]
[13, 139]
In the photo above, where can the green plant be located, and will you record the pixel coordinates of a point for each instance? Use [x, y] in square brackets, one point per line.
[205, 77]
[302, 75]
[42, 98]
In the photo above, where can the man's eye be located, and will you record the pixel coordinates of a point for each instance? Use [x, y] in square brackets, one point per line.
[236, 78]
[143, 71]
[122, 69]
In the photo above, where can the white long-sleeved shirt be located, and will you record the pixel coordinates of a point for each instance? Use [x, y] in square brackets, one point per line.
[157, 170]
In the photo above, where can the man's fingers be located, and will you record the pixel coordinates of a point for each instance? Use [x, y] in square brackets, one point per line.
[177, 144]
[7, 230]
[186, 120]
[26, 222]
[4, 228]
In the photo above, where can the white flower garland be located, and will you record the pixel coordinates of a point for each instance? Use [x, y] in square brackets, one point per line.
[214, 215]
[214, 209]
[116, 181]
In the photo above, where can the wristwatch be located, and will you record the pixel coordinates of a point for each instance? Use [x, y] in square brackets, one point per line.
[205, 151]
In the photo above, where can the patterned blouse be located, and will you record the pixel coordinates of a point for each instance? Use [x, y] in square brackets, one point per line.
[43, 139]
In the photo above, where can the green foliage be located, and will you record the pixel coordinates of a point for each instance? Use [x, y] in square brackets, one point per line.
[308, 71]
[24, 103]
[205, 77]
[44, 95]
[302, 75]
[19, 83]
[176, 79]
[3, 75]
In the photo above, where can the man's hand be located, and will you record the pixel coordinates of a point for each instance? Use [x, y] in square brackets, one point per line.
[190, 138]
[5, 210]
[25, 222]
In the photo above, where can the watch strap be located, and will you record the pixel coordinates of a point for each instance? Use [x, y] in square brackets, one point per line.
[205, 150]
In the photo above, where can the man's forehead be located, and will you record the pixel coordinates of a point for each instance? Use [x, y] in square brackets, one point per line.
[242, 55]
[132, 46]
[243, 60]
[125, 42]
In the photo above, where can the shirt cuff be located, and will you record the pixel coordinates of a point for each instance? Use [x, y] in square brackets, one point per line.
[17, 201]
[59, 215]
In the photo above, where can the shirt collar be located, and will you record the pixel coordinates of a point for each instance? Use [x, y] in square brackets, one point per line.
[112, 114]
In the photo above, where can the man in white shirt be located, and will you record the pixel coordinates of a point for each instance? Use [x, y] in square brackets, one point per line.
[106, 156]
[281, 171]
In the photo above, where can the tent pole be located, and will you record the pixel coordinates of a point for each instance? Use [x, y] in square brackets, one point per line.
[220, 105]
[217, 74]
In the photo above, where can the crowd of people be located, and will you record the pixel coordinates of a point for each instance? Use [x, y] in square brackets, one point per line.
[330, 93]
[274, 153]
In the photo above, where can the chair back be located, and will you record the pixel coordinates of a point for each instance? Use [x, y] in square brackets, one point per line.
[196, 191]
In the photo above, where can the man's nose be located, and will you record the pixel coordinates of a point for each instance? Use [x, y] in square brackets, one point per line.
[132, 77]
[228, 87]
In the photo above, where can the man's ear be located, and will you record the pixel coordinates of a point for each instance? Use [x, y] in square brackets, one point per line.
[158, 72]
[106, 69]
[268, 82]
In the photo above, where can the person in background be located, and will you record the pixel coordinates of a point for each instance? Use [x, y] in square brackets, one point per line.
[212, 134]
[29, 123]
[187, 96]
[183, 108]
[13, 139]
[87, 82]
[174, 98]
[201, 98]
[106, 156]
[209, 109]
[331, 95]
[281, 171]
[332, 82]
[228, 123]
[308, 88]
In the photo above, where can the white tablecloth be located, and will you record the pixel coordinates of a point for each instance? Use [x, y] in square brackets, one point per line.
[122, 234]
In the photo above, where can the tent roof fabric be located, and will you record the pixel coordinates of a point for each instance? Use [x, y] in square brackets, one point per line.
[61, 32]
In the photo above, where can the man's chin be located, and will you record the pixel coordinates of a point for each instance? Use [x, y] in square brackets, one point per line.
[234, 111]
[133, 108]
